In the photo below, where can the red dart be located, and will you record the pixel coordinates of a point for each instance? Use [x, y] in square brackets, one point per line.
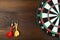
[9, 34]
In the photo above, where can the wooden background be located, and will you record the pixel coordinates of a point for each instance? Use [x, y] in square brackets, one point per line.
[24, 11]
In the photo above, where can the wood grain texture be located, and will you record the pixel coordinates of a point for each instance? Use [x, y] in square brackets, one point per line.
[24, 11]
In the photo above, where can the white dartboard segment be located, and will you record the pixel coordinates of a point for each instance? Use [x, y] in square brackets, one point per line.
[56, 4]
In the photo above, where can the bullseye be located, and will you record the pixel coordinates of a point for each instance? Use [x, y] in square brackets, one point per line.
[58, 15]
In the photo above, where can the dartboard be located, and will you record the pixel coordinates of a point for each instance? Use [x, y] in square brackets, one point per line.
[48, 17]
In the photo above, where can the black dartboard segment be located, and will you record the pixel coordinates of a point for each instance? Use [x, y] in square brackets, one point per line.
[48, 17]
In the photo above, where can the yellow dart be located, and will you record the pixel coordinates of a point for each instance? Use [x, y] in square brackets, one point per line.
[16, 34]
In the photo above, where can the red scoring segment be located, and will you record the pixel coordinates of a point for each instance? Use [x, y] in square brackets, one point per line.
[48, 0]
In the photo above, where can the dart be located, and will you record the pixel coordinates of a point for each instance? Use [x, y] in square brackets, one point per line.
[16, 33]
[10, 33]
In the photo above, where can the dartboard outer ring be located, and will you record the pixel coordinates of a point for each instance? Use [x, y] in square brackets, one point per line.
[52, 24]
